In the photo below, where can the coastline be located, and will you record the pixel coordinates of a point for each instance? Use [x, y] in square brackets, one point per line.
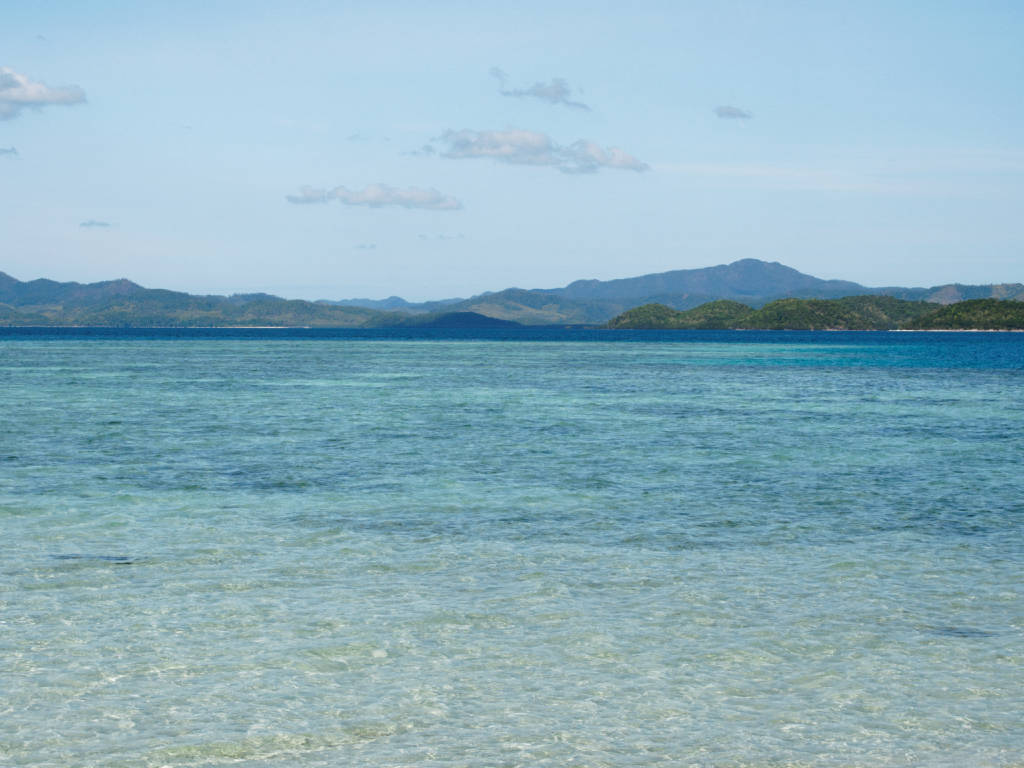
[520, 327]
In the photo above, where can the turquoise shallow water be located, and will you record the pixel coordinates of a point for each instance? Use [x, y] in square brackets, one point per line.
[737, 550]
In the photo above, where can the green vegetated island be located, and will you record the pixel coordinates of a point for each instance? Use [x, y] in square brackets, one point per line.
[748, 293]
[851, 313]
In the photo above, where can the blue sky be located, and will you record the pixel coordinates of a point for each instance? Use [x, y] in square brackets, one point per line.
[341, 149]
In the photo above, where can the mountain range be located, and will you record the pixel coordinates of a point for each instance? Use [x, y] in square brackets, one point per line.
[750, 281]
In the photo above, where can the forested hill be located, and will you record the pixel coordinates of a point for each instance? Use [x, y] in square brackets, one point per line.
[853, 313]
[124, 303]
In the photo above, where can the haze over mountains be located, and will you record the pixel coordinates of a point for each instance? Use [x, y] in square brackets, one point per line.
[750, 281]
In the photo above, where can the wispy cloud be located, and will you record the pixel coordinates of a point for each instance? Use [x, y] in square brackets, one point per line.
[511, 146]
[733, 113]
[520, 147]
[379, 196]
[587, 157]
[308, 195]
[17, 93]
[94, 223]
[10, 151]
[427, 150]
[557, 91]
[365, 247]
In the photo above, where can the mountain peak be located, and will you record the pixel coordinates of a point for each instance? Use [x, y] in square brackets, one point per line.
[746, 279]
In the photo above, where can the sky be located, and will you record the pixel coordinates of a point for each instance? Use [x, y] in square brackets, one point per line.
[432, 150]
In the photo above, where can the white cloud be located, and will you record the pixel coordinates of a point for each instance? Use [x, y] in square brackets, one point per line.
[379, 196]
[94, 223]
[520, 147]
[733, 113]
[587, 157]
[512, 146]
[17, 92]
[308, 195]
[555, 92]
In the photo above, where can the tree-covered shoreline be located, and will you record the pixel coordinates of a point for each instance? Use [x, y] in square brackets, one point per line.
[851, 313]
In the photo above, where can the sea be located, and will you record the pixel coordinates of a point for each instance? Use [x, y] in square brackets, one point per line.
[525, 547]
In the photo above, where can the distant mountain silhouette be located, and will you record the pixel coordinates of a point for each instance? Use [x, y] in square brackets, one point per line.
[750, 281]
[16, 293]
[747, 278]
[124, 303]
